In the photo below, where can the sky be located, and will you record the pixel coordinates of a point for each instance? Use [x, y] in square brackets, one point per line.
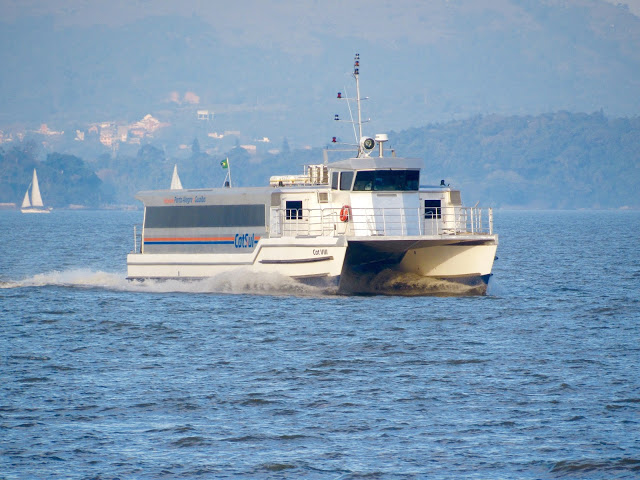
[467, 67]
[290, 24]
[122, 11]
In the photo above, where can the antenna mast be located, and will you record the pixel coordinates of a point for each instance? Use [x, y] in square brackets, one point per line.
[364, 144]
[356, 75]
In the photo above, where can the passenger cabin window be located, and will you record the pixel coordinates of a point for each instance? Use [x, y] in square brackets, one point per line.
[432, 209]
[346, 178]
[294, 210]
[387, 180]
[206, 216]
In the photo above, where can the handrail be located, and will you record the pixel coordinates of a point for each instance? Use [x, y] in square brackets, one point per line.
[380, 222]
[135, 239]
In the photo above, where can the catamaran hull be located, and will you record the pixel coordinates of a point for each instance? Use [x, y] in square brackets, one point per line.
[419, 266]
[449, 261]
[305, 259]
[412, 267]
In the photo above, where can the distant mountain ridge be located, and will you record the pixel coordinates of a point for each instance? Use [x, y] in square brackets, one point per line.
[454, 60]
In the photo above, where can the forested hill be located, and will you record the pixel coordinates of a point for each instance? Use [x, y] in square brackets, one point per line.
[556, 160]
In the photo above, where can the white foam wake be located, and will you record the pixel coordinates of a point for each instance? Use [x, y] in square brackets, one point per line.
[71, 278]
[384, 283]
[237, 282]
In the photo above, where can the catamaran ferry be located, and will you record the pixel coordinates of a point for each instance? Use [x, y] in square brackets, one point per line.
[341, 223]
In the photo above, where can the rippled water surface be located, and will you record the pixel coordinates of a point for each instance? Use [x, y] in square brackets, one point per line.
[260, 377]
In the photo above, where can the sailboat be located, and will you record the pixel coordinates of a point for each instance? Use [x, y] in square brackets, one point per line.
[33, 203]
[176, 184]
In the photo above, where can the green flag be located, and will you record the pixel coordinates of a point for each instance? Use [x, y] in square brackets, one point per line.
[225, 163]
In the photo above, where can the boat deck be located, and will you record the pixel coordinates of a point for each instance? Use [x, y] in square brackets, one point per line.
[383, 222]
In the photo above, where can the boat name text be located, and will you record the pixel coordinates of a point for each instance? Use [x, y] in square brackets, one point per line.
[320, 251]
[185, 200]
[245, 240]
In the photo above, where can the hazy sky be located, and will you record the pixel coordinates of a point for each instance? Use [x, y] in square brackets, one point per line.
[239, 11]
[287, 24]
[464, 68]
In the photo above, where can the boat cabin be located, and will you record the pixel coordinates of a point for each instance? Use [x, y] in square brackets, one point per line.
[378, 196]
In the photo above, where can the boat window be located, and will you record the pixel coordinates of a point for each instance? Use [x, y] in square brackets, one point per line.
[387, 180]
[432, 209]
[205, 216]
[293, 210]
[346, 178]
[334, 180]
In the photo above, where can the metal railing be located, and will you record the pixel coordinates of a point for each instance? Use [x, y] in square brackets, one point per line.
[137, 239]
[381, 222]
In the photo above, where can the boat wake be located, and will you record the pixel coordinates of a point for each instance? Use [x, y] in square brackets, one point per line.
[387, 282]
[70, 278]
[231, 283]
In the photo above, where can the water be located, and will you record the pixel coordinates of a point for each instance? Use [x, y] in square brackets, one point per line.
[260, 377]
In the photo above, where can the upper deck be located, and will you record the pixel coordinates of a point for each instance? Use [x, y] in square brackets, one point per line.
[377, 197]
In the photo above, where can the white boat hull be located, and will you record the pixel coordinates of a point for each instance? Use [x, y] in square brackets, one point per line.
[304, 259]
[353, 266]
[35, 210]
[428, 264]
[449, 261]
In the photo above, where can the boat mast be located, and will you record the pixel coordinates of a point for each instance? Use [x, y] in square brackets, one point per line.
[356, 75]
[364, 145]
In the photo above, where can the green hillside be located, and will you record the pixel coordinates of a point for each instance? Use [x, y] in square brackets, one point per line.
[555, 160]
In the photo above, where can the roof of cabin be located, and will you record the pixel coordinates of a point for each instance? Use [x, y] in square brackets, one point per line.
[368, 163]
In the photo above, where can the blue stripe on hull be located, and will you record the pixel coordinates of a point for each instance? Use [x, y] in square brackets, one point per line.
[226, 242]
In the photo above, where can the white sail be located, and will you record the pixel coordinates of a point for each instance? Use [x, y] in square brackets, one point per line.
[176, 184]
[36, 198]
[26, 203]
[35, 205]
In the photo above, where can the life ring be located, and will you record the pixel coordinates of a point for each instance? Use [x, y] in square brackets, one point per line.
[344, 213]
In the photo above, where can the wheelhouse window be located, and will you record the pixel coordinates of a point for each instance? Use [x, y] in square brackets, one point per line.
[293, 209]
[387, 180]
[334, 180]
[432, 209]
[346, 179]
[341, 180]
